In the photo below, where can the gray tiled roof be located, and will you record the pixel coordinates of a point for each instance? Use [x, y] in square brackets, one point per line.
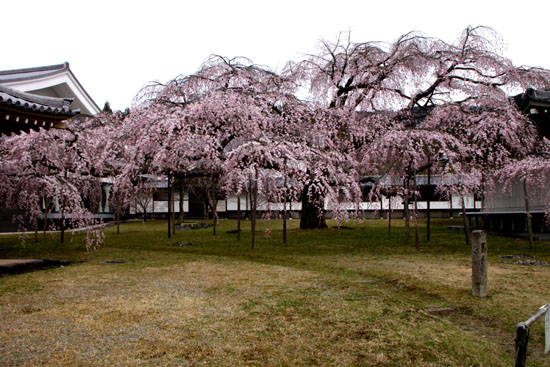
[531, 95]
[32, 102]
[31, 73]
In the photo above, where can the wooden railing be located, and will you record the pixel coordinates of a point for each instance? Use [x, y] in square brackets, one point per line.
[522, 336]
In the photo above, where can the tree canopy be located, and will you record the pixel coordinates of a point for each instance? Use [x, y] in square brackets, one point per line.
[322, 124]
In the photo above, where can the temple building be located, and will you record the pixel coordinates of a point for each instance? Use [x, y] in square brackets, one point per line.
[39, 98]
[57, 81]
[22, 112]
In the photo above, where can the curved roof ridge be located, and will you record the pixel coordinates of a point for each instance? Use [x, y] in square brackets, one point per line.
[37, 78]
[56, 67]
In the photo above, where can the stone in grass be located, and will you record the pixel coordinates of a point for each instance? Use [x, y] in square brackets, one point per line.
[524, 260]
[114, 262]
[233, 231]
[516, 257]
[188, 226]
[530, 263]
[181, 244]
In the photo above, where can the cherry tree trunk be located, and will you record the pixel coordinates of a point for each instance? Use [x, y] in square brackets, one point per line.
[213, 203]
[253, 206]
[46, 212]
[284, 208]
[465, 221]
[238, 217]
[35, 229]
[62, 229]
[406, 210]
[312, 215]
[117, 219]
[389, 215]
[246, 212]
[62, 234]
[169, 208]
[173, 204]
[428, 202]
[284, 222]
[182, 213]
[528, 214]
[415, 213]
[482, 192]
[214, 216]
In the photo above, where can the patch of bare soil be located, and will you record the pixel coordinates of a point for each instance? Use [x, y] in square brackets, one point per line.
[18, 266]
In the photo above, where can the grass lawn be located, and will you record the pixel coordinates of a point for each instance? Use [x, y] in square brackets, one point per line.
[346, 297]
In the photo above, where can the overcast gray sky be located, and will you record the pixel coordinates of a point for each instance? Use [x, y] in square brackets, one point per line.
[115, 47]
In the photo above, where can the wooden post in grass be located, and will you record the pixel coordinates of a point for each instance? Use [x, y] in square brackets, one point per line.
[479, 264]
[522, 339]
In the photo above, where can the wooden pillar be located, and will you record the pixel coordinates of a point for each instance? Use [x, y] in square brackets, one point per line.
[522, 339]
[479, 263]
